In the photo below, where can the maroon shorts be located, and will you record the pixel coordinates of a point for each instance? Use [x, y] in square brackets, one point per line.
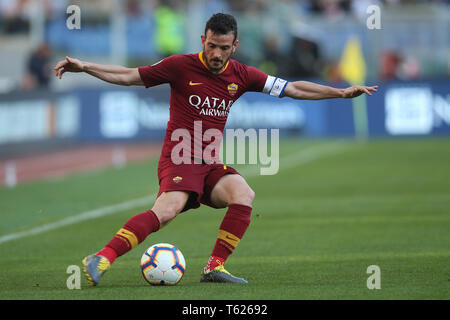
[198, 179]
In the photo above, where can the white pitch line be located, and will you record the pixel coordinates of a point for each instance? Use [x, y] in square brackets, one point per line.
[87, 215]
[301, 157]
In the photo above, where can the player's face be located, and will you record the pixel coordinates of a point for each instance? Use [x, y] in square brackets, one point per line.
[217, 49]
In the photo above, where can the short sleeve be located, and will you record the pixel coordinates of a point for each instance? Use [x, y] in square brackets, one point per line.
[256, 79]
[161, 72]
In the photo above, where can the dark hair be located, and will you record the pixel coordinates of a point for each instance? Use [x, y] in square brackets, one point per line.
[222, 23]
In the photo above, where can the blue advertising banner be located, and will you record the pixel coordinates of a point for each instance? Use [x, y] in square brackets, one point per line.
[410, 108]
[123, 114]
[116, 113]
[397, 109]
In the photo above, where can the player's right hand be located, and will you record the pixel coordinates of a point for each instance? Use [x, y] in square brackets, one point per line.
[70, 65]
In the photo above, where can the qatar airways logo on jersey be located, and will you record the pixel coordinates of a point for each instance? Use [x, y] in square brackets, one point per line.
[211, 106]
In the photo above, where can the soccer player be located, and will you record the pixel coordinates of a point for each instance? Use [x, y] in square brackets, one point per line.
[203, 88]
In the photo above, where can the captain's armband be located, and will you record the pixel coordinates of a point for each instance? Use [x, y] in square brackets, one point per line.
[275, 86]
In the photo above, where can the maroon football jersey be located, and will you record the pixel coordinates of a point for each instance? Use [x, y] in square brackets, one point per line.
[199, 95]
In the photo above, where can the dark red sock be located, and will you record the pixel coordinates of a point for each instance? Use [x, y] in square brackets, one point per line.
[130, 235]
[108, 253]
[231, 231]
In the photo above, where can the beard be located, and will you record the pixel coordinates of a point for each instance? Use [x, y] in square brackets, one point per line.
[215, 65]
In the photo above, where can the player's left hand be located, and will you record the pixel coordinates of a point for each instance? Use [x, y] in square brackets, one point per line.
[356, 91]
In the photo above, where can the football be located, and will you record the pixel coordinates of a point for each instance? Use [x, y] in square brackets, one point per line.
[163, 264]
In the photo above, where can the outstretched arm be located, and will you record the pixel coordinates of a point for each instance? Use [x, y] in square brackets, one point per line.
[112, 74]
[312, 91]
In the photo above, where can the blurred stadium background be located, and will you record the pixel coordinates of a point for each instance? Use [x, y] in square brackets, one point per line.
[361, 182]
[325, 41]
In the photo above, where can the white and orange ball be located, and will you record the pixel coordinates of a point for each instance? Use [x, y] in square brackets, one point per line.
[163, 264]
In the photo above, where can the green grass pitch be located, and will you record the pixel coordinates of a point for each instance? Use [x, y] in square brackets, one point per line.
[316, 227]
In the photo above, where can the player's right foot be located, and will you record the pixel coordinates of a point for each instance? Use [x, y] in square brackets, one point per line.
[94, 267]
[219, 274]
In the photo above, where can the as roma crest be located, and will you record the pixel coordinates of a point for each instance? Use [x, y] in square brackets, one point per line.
[177, 179]
[232, 88]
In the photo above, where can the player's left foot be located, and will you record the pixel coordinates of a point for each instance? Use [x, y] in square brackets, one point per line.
[219, 274]
[94, 267]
